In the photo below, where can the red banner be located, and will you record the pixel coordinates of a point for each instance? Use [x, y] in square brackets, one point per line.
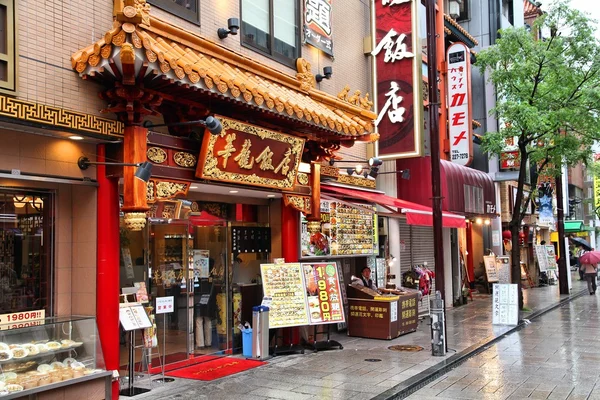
[400, 118]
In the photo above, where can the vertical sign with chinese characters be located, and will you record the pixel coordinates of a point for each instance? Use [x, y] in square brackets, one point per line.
[399, 119]
[505, 304]
[596, 190]
[323, 293]
[459, 104]
[317, 25]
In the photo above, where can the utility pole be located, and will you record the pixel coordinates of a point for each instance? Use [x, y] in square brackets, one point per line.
[434, 104]
[563, 283]
[439, 343]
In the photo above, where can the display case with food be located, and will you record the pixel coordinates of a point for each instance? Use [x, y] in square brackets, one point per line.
[47, 356]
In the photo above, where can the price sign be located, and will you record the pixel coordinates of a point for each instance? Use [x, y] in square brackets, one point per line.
[323, 293]
[165, 305]
[22, 317]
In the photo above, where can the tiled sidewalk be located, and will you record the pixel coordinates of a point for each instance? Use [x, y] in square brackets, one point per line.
[344, 374]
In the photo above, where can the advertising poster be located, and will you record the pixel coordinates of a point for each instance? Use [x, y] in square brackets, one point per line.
[201, 264]
[542, 258]
[459, 107]
[284, 283]
[551, 257]
[317, 25]
[323, 293]
[505, 303]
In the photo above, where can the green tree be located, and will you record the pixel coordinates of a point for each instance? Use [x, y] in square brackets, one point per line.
[548, 99]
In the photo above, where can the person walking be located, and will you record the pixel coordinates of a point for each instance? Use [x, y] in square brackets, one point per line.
[590, 271]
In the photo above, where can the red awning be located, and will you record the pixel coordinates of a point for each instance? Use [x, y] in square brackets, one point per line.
[416, 214]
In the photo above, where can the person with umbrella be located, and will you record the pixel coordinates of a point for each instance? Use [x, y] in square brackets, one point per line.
[589, 264]
[583, 246]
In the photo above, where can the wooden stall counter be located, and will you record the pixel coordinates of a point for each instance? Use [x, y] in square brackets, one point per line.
[376, 316]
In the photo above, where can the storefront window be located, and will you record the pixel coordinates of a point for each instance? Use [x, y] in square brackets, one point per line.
[25, 251]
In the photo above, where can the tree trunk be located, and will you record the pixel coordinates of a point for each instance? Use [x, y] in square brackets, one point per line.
[515, 224]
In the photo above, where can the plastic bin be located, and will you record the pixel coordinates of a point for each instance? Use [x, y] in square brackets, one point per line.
[247, 342]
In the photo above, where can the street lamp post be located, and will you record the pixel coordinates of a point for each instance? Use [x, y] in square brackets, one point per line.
[434, 104]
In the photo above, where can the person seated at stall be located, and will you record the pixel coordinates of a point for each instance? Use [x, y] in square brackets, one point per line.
[365, 279]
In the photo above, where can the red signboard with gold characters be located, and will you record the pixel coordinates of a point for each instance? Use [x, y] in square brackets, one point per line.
[250, 155]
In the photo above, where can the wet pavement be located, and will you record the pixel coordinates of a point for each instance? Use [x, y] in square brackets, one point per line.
[345, 374]
[556, 357]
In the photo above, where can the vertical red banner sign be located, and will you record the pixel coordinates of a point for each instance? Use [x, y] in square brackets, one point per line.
[397, 53]
[459, 104]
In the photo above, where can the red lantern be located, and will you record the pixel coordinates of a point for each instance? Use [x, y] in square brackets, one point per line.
[522, 237]
[506, 235]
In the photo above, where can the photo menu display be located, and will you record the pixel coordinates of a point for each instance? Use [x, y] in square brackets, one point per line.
[344, 231]
[303, 294]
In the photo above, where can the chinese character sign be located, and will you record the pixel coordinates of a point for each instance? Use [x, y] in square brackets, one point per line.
[317, 25]
[399, 122]
[325, 303]
[250, 155]
[459, 104]
[596, 191]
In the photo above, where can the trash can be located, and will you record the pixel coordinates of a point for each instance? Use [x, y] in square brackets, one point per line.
[246, 342]
[260, 332]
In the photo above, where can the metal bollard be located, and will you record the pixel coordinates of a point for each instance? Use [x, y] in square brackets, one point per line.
[260, 332]
[438, 336]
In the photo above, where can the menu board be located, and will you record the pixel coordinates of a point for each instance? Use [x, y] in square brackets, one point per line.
[490, 268]
[542, 258]
[133, 317]
[284, 283]
[303, 294]
[323, 293]
[551, 257]
[251, 239]
[503, 268]
[344, 231]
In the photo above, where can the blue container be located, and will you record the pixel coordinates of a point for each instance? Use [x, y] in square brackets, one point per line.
[247, 342]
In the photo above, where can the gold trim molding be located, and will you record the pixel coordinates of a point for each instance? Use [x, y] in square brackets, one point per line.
[356, 181]
[58, 117]
[300, 203]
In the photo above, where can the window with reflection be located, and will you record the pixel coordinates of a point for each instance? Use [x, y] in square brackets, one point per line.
[271, 27]
[186, 9]
[26, 231]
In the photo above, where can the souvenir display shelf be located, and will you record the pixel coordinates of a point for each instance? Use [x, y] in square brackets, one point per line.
[47, 354]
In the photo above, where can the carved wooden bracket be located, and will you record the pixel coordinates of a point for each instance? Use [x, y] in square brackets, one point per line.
[300, 203]
[165, 189]
[131, 103]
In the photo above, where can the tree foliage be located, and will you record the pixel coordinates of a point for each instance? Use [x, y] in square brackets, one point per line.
[548, 96]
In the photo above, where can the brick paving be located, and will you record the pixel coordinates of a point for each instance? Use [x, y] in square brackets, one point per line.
[344, 374]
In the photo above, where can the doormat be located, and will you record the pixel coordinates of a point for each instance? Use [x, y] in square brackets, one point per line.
[216, 369]
[405, 347]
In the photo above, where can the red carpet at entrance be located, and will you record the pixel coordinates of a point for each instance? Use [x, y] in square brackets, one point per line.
[215, 369]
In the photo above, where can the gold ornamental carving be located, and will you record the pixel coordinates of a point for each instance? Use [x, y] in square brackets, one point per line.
[168, 190]
[328, 170]
[57, 117]
[156, 155]
[184, 159]
[251, 155]
[356, 181]
[355, 99]
[304, 75]
[302, 178]
[150, 192]
[300, 203]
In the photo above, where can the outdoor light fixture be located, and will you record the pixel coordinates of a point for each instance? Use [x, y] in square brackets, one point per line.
[327, 72]
[233, 24]
[358, 168]
[143, 172]
[211, 123]
[454, 9]
[404, 173]
[375, 162]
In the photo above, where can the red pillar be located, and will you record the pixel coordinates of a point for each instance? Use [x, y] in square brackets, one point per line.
[107, 275]
[470, 270]
[290, 248]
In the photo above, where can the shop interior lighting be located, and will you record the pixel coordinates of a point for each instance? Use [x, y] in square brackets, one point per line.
[233, 25]
[487, 222]
[76, 137]
[327, 72]
[233, 191]
[479, 221]
[211, 123]
[143, 171]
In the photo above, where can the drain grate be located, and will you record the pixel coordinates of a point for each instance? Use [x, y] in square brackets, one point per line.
[405, 347]
[372, 359]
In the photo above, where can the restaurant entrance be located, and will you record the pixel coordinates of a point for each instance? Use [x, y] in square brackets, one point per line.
[188, 260]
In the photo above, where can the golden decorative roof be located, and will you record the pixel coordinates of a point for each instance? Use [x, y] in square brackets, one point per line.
[146, 45]
[531, 9]
[459, 28]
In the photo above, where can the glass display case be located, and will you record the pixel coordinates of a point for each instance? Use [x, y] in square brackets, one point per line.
[48, 353]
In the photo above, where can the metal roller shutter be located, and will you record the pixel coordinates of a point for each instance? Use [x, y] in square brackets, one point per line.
[405, 256]
[422, 252]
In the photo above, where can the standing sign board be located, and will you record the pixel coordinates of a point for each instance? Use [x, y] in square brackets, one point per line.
[551, 257]
[317, 25]
[542, 258]
[133, 316]
[505, 303]
[398, 60]
[459, 104]
[503, 267]
[490, 268]
[303, 294]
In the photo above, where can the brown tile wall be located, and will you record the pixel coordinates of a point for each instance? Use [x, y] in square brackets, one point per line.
[75, 222]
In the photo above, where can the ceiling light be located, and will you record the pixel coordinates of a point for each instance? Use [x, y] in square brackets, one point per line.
[76, 137]
[358, 168]
[270, 195]
[193, 187]
[233, 191]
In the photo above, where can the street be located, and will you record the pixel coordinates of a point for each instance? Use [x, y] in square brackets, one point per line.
[555, 357]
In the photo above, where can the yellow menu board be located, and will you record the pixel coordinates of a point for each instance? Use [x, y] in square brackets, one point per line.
[284, 284]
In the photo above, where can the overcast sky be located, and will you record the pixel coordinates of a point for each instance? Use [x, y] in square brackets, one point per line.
[590, 6]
